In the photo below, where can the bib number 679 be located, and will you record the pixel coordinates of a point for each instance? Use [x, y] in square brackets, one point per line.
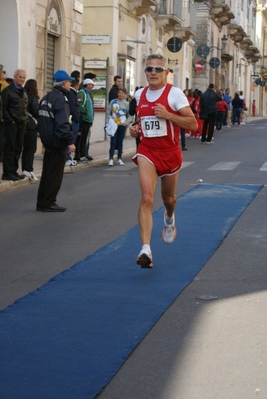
[152, 125]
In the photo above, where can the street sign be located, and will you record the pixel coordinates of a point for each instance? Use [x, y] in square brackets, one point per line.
[199, 65]
[203, 50]
[214, 62]
[174, 44]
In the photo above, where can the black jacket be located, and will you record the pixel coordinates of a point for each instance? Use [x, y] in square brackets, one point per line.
[53, 123]
[14, 104]
[113, 93]
[208, 100]
[33, 109]
[74, 106]
[237, 103]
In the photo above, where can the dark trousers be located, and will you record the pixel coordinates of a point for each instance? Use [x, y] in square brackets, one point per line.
[182, 134]
[116, 142]
[219, 119]
[13, 146]
[236, 116]
[2, 140]
[225, 118]
[210, 122]
[52, 175]
[81, 140]
[29, 149]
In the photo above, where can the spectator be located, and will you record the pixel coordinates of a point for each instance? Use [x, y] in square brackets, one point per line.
[90, 75]
[237, 105]
[75, 119]
[113, 93]
[14, 103]
[3, 85]
[87, 117]
[118, 109]
[227, 99]
[30, 136]
[254, 108]
[222, 107]
[56, 135]
[76, 75]
[208, 105]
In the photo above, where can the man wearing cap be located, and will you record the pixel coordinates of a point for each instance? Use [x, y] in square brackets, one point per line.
[87, 117]
[208, 103]
[15, 116]
[56, 135]
[3, 85]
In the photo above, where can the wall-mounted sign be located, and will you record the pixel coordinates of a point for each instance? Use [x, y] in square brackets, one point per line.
[214, 62]
[203, 50]
[54, 19]
[78, 6]
[96, 39]
[95, 64]
[174, 44]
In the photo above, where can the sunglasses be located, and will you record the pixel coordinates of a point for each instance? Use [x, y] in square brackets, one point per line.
[157, 69]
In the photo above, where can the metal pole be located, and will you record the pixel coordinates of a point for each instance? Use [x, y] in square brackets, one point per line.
[176, 74]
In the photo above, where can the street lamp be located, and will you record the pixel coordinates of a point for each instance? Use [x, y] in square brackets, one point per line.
[224, 41]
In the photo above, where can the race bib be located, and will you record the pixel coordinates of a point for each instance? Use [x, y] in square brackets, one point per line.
[153, 126]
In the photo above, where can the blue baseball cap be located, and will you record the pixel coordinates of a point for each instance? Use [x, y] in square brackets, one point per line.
[61, 76]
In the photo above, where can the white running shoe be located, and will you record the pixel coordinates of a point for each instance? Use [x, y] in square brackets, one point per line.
[120, 162]
[70, 162]
[169, 232]
[30, 175]
[110, 162]
[144, 259]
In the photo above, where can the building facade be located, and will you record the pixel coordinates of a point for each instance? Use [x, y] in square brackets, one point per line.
[114, 37]
[41, 36]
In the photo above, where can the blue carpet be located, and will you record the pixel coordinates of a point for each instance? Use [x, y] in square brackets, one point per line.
[67, 339]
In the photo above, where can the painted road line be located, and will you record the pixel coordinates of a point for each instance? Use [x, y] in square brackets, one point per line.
[224, 166]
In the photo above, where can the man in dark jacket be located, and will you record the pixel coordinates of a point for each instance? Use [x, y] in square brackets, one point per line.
[56, 135]
[14, 103]
[113, 92]
[208, 105]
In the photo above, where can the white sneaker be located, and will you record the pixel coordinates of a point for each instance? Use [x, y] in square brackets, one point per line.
[70, 162]
[169, 232]
[144, 259]
[110, 162]
[30, 175]
[120, 162]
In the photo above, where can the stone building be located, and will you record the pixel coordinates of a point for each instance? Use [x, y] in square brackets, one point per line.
[41, 36]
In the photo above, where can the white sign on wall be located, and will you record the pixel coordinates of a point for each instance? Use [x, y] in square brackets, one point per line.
[96, 39]
[95, 64]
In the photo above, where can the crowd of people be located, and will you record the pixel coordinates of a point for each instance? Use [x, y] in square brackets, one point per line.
[213, 110]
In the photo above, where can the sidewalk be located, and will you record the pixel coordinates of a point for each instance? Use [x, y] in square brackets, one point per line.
[99, 151]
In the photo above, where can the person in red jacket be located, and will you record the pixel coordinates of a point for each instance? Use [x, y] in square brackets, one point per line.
[221, 109]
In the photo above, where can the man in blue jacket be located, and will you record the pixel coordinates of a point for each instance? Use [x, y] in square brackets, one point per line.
[56, 135]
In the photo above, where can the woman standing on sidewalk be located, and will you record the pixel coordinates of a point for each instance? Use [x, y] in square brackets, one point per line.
[30, 135]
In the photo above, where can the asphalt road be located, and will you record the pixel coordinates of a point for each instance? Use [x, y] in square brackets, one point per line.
[198, 349]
